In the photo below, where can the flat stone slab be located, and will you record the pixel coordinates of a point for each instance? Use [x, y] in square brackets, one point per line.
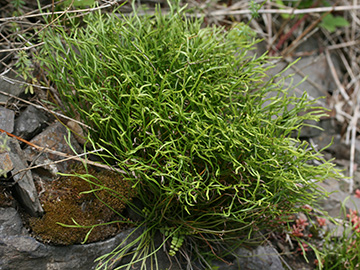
[7, 119]
[30, 122]
[9, 86]
[333, 205]
[53, 138]
[316, 71]
[260, 258]
[18, 250]
[24, 188]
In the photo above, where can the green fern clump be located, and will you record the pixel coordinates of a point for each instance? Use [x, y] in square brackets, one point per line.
[190, 116]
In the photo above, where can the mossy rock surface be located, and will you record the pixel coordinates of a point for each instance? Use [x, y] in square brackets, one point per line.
[68, 199]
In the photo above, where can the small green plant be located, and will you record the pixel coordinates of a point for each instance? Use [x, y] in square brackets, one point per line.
[191, 118]
[331, 22]
[328, 22]
[79, 3]
[25, 68]
[18, 4]
[343, 252]
[254, 8]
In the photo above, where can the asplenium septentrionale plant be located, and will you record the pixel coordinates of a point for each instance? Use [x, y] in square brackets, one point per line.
[190, 116]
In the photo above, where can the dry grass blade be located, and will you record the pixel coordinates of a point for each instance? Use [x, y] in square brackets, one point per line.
[77, 11]
[343, 45]
[68, 157]
[285, 11]
[44, 108]
[22, 48]
[336, 79]
[61, 160]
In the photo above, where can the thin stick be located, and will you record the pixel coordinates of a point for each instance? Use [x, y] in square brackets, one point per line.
[58, 161]
[269, 28]
[284, 11]
[62, 13]
[20, 18]
[279, 33]
[44, 149]
[22, 48]
[293, 28]
[352, 148]
[45, 109]
[336, 78]
[213, 14]
[295, 43]
[13, 81]
[343, 45]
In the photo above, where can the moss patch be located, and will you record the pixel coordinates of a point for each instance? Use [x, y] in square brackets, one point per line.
[64, 200]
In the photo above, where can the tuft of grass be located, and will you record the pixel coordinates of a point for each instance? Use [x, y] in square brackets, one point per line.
[189, 114]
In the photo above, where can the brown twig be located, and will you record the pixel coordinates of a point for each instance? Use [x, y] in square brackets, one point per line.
[295, 43]
[293, 28]
[212, 249]
[343, 45]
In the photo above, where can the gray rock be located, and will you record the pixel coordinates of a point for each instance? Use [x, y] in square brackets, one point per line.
[333, 204]
[20, 251]
[356, 178]
[10, 86]
[338, 149]
[317, 129]
[29, 123]
[53, 137]
[10, 222]
[316, 71]
[162, 259]
[24, 189]
[311, 46]
[7, 119]
[6, 164]
[260, 258]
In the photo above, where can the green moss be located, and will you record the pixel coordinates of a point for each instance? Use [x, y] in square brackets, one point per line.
[64, 201]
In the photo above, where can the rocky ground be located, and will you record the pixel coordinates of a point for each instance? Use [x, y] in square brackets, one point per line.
[35, 139]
